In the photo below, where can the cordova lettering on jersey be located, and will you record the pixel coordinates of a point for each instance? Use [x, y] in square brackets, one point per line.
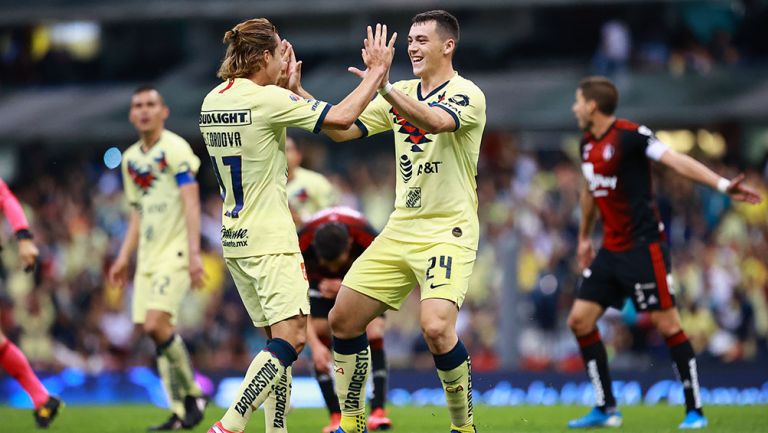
[222, 139]
[225, 118]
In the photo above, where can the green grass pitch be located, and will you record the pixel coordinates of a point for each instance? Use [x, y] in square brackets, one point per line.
[654, 419]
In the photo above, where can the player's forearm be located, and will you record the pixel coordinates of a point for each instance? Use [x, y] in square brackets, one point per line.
[191, 197]
[343, 115]
[587, 222]
[131, 241]
[433, 120]
[12, 209]
[690, 168]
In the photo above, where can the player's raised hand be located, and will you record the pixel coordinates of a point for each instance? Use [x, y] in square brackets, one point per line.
[118, 273]
[585, 253]
[377, 52]
[294, 73]
[740, 191]
[286, 52]
[28, 253]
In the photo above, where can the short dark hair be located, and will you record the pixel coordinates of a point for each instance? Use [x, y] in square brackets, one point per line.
[331, 239]
[446, 23]
[149, 88]
[602, 91]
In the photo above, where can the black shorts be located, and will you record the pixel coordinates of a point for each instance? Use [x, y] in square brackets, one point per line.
[318, 306]
[641, 274]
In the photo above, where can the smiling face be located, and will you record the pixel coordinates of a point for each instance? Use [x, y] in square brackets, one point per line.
[428, 48]
[148, 111]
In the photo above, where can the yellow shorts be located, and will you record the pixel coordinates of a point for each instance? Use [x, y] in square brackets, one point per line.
[273, 287]
[161, 291]
[388, 270]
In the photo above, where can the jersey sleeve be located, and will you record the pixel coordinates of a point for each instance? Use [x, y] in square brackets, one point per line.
[654, 148]
[12, 209]
[375, 118]
[466, 105]
[129, 188]
[285, 109]
[182, 162]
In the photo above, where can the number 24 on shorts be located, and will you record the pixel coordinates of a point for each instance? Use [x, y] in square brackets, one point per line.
[444, 262]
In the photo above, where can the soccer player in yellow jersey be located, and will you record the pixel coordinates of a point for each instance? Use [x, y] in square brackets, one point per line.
[431, 237]
[243, 122]
[308, 191]
[159, 182]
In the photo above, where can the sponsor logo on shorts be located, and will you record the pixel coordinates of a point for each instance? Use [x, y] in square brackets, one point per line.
[260, 381]
[434, 286]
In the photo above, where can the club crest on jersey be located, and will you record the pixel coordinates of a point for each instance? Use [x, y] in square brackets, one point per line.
[608, 152]
[302, 195]
[416, 136]
[143, 179]
[162, 164]
[460, 99]
[294, 97]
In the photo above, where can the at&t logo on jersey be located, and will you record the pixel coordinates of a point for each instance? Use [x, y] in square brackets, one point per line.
[406, 168]
[598, 184]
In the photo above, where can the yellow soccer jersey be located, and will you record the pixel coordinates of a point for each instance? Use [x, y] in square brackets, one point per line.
[243, 125]
[309, 192]
[151, 181]
[436, 193]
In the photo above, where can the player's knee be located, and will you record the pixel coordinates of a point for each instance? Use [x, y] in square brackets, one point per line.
[436, 331]
[579, 325]
[338, 323]
[666, 323]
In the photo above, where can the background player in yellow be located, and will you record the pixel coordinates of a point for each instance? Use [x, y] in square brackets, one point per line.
[308, 191]
[432, 235]
[159, 181]
[243, 122]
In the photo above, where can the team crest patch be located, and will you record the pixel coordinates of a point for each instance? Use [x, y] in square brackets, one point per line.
[460, 99]
[294, 97]
[413, 197]
[608, 152]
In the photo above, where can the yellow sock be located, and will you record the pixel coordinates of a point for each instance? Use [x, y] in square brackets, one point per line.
[265, 370]
[181, 366]
[277, 404]
[351, 374]
[171, 385]
[455, 372]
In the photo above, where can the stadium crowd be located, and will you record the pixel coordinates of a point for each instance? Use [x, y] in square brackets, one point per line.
[66, 315]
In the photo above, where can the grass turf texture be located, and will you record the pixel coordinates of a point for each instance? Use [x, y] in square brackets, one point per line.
[656, 419]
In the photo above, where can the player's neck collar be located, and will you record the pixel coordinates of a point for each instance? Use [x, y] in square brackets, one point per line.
[601, 136]
[435, 90]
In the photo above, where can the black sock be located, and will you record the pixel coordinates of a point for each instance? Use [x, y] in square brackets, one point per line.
[329, 394]
[684, 362]
[596, 363]
[379, 368]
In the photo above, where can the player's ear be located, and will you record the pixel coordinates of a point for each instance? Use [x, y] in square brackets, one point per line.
[449, 46]
[166, 112]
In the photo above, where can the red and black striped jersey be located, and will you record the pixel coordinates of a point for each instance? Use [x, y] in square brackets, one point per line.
[618, 172]
[360, 230]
